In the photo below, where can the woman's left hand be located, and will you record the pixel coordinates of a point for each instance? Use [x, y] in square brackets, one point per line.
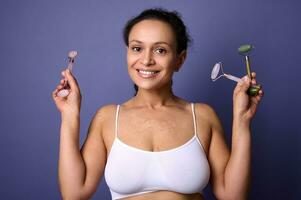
[245, 106]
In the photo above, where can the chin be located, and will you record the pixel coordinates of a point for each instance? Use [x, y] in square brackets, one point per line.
[147, 86]
[152, 85]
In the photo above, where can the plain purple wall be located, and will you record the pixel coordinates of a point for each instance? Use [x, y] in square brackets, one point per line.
[35, 37]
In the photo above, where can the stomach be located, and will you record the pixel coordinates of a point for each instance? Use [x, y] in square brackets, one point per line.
[165, 195]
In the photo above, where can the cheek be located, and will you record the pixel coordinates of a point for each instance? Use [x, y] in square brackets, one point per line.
[169, 63]
[131, 59]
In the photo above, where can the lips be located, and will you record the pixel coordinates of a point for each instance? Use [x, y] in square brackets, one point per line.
[147, 73]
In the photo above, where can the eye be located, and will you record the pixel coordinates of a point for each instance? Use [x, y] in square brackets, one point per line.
[160, 51]
[136, 49]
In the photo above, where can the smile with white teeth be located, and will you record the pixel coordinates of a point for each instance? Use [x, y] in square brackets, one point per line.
[147, 72]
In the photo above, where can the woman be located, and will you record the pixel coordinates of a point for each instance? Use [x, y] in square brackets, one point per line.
[156, 145]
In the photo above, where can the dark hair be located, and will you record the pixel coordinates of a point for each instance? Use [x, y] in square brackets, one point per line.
[172, 18]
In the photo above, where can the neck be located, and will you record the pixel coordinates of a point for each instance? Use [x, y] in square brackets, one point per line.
[155, 98]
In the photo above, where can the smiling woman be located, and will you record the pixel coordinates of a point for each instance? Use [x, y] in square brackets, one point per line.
[168, 21]
[152, 56]
[155, 145]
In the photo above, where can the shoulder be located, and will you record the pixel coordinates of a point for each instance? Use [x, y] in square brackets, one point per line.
[203, 109]
[106, 112]
[103, 121]
[206, 112]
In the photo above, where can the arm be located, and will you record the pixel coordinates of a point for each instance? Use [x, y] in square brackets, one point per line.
[79, 171]
[231, 169]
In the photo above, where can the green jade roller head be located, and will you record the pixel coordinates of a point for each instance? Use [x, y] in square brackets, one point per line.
[245, 50]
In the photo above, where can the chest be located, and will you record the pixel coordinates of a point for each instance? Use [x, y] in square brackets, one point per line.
[156, 131]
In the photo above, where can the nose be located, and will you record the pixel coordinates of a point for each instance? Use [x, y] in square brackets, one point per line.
[147, 58]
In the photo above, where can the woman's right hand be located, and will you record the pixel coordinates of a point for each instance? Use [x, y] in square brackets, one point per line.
[70, 104]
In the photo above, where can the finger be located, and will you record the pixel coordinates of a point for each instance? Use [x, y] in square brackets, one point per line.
[253, 74]
[255, 100]
[242, 86]
[71, 80]
[246, 83]
[62, 81]
[246, 78]
[59, 87]
[259, 96]
[63, 73]
[54, 93]
[254, 103]
[240, 83]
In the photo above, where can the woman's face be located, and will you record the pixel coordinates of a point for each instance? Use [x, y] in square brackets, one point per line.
[151, 54]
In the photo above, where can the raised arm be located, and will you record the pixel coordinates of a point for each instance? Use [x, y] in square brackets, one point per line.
[79, 171]
[230, 169]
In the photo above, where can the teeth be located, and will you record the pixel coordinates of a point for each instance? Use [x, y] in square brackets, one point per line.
[146, 72]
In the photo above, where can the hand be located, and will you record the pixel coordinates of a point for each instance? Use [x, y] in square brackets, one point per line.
[245, 106]
[71, 103]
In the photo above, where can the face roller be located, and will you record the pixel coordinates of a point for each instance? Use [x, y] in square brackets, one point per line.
[217, 68]
[65, 91]
[245, 50]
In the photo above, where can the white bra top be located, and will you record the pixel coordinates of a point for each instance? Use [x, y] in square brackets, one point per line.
[132, 171]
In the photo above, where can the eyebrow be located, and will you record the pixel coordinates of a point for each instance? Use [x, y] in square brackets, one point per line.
[155, 42]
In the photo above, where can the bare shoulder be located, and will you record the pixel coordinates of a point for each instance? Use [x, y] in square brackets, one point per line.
[105, 112]
[106, 109]
[100, 119]
[106, 118]
[205, 112]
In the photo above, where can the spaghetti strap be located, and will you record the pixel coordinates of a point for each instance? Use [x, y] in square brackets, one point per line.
[194, 119]
[116, 121]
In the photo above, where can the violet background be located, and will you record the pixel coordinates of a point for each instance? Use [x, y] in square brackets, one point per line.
[36, 36]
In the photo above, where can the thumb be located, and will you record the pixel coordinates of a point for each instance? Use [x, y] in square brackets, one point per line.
[246, 83]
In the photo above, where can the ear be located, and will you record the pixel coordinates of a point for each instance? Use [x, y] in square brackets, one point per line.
[180, 60]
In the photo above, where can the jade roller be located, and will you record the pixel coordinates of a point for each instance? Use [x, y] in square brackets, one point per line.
[245, 50]
[71, 58]
[218, 69]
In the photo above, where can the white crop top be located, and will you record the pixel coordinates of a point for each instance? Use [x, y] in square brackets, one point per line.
[132, 171]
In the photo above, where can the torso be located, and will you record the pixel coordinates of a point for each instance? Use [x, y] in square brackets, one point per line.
[149, 130]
